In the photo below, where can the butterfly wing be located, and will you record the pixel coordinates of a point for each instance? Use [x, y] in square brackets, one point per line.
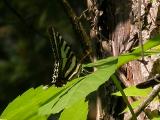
[66, 65]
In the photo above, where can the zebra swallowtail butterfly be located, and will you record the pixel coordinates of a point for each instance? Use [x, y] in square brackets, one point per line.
[66, 65]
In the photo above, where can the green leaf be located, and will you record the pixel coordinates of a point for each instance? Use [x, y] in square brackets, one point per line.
[77, 111]
[21, 105]
[124, 58]
[108, 60]
[133, 91]
[53, 100]
[117, 83]
[82, 88]
[134, 105]
[137, 103]
[149, 44]
[46, 109]
[27, 105]
[156, 118]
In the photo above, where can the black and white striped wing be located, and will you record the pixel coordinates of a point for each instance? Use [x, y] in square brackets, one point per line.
[66, 65]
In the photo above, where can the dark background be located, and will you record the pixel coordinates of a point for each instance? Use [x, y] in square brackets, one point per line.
[26, 58]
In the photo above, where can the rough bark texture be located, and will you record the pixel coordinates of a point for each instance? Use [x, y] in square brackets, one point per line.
[116, 26]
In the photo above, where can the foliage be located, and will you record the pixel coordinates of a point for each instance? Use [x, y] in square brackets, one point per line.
[62, 98]
[81, 108]
[25, 51]
[133, 91]
[25, 61]
[41, 102]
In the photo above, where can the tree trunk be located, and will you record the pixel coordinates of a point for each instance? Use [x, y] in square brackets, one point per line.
[118, 26]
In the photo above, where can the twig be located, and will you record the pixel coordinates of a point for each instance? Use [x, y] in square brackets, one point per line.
[150, 82]
[77, 25]
[151, 96]
[140, 28]
[117, 83]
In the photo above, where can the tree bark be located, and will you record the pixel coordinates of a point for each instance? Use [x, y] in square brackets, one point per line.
[117, 25]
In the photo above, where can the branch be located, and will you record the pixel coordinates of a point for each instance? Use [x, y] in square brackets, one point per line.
[77, 25]
[151, 96]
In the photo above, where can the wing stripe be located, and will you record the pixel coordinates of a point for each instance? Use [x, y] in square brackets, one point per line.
[65, 64]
